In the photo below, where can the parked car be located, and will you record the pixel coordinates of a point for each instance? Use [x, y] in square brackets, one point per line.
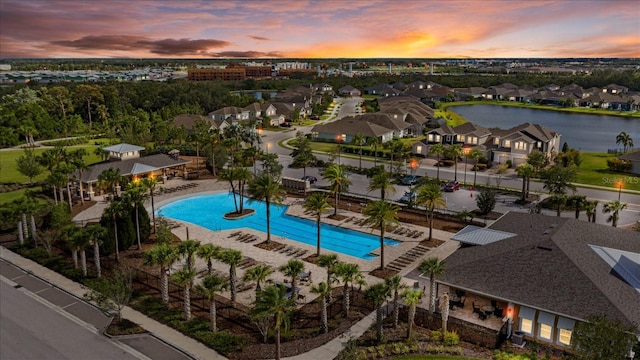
[286, 124]
[310, 179]
[452, 186]
[410, 180]
[408, 197]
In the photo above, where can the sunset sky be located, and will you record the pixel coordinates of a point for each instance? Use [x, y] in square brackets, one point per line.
[319, 28]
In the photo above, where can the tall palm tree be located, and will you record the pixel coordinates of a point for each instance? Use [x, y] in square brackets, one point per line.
[476, 155]
[374, 142]
[151, 183]
[381, 181]
[273, 302]
[624, 139]
[377, 294]
[259, 274]
[438, 150]
[73, 236]
[411, 298]
[187, 250]
[162, 255]
[359, 140]
[184, 278]
[526, 171]
[96, 234]
[329, 261]
[395, 285]
[348, 273]
[266, 187]
[77, 162]
[292, 269]
[430, 196]
[434, 267]
[209, 287]
[578, 202]
[454, 152]
[115, 210]
[208, 252]
[317, 203]
[614, 207]
[232, 258]
[337, 176]
[135, 195]
[380, 215]
[81, 241]
[323, 290]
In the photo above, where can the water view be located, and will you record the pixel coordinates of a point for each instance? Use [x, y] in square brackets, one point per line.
[592, 133]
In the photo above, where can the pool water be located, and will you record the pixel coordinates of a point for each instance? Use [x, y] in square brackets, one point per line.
[207, 211]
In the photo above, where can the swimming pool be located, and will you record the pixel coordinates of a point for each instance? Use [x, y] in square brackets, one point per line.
[207, 211]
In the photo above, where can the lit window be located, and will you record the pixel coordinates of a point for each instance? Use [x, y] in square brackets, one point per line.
[520, 145]
[564, 337]
[468, 139]
[507, 143]
[430, 137]
[545, 332]
[474, 140]
[496, 141]
[419, 149]
[437, 138]
[526, 325]
[461, 138]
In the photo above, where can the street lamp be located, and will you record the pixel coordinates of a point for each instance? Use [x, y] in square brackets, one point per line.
[466, 153]
[619, 188]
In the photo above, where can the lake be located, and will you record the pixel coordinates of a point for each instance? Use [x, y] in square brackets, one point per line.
[585, 132]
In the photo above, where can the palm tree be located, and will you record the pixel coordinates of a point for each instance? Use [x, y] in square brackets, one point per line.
[79, 165]
[411, 298]
[150, 183]
[114, 211]
[377, 294]
[348, 273]
[187, 250]
[317, 203]
[380, 215]
[444, 312]
[96, 234]
[135, 195]
[323, 290]
[273, 302]
[359, 140]
[394, 284]
[591, 209]
[578, 202]
[438, 150]
[624, 139]
[208, 252]
[293, 268]
[184, 277]
[258, 273]
[162, 255]
[329, 261]
[232, 258]
[374, 142]
[73, 237]
[614, 207]
[434, 267]
[266, 187]
[109, 179]
[81, 241]
[430, 196]
[337, 176]
[525, 171]
[476, 155]
[381, 181]
[454, 152]
[209, 287]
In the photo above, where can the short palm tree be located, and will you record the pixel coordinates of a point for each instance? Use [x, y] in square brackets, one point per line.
[292, 269]
[438, 150]
[208, 252]
[187, 250]
[162, 255]
[591, 208]
[184, 278]
[266, 187]
[81, 242]
[359, 140]
[411, 298]
[395, 285]
[526, 172]
[232, 258]
[476, 155]
[323, 290]
[259, 274]
[272, 301]
[348, 273]
[444, 312]
[434, 267]
[377, 294]
[73, 235]
[317, 203]
[430, 196]
[380, 215]
[624, 139]
[454, 152]
[337, 176]
[614, 207]
[96, 234]
[329, 261]
[381, 181]
[374, 142]
[209, 287]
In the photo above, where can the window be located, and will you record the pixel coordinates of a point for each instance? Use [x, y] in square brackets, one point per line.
[460, 138]
[507, 143]
[496, 141]
[419, 149]
[545, 332]
[564, 336]
[430, 137]
[474, 140]
[520, 145]
[437, 138]
[526, 325]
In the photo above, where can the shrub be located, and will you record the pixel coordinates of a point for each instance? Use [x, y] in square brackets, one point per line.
[451, 338]
[223, 342]
[616, 164]
[436, 335]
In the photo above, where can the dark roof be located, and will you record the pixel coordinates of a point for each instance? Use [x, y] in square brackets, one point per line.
[133, 166]
[189, 120]
[551, 265]
[351, 126]
[632, 156]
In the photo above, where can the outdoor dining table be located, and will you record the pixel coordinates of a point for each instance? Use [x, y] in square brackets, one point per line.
[488, 309]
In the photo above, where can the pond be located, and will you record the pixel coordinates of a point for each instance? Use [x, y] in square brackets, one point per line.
[585, 132]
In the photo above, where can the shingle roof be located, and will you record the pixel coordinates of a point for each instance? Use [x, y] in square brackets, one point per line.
[550, 265]
[132, 166]
[351, 126]
[632, 156]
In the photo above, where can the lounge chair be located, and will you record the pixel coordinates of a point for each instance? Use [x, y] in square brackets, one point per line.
[302, 253]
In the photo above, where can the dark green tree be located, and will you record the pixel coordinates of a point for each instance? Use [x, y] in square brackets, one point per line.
[600, 338]
[486, 200]
[28, 165]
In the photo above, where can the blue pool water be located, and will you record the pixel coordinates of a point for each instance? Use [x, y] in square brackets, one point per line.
[207, 211]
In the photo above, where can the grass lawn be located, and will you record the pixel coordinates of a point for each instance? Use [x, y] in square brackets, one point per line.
[432, 357]
[594, 171]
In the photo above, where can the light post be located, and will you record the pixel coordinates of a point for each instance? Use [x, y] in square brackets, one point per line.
[466, 153]
[619, 189]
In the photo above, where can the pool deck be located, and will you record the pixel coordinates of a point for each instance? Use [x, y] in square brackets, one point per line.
[403, 257]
